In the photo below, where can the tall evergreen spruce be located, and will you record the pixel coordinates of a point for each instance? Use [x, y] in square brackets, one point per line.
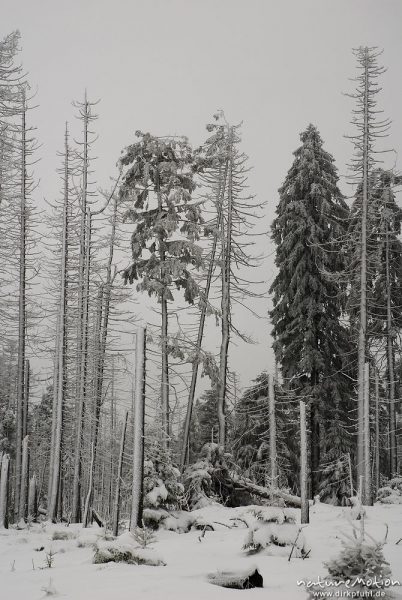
[310, 341]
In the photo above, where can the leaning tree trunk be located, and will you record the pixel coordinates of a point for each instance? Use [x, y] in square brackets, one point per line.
[116, 507]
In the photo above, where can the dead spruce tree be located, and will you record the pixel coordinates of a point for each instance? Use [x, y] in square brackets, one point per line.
[158, 186]
[236, 213]
[368, 129]
[11, 79]
[24, 150]
[60, 364]
[85, 193]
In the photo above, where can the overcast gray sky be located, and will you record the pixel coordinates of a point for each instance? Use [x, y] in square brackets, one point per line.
[166, 65]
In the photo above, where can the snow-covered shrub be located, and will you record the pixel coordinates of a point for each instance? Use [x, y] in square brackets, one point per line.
[273, 527]
[391, 493]
[143, 536]
[63, 535]
[360, 559]
[162, 488]
[270, 514]
[87, 538]
[261, 536]
[126, 549]
[153, 518]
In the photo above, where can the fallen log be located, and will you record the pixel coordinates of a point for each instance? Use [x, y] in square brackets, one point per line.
[266, 493]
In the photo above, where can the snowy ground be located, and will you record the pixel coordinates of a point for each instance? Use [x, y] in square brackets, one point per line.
[189, 560]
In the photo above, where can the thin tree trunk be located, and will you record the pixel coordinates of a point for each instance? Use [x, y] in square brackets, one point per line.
[110, 500]
[26, 400]
[303, 465]
[377, 431]
[33, 499]
[366, 491]
[4, 482]
[139, 415]
[60, 384]
[54, 415]
[21, 316]
[314, 447]
[23, 507]
[116, 508]
[86, 518]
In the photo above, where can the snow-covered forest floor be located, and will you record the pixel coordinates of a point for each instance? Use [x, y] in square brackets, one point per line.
[189, 558]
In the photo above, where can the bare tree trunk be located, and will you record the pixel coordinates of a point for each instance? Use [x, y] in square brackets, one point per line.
[366, 491]
[54, 415]
[362, 339]
[303, 464]
[139, 415]
[116, 508]
[377, 431]
[83, 378]
[23, 507]
[33, 499]
[111, 459]
[21, 316]
[4, 482]
[86, 518]
[225, 302]
[26, 400]
[60, 383]
[81, 365]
